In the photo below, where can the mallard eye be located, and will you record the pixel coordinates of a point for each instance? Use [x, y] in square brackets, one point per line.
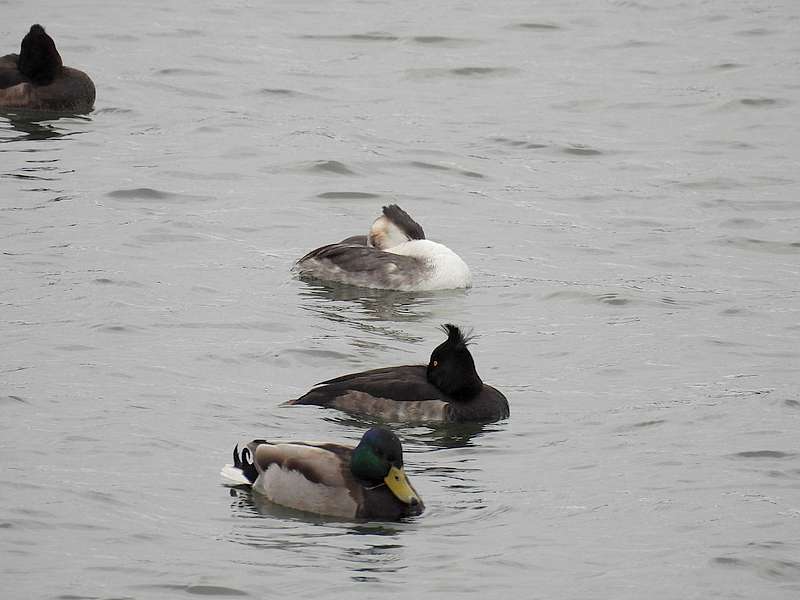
[436, 363]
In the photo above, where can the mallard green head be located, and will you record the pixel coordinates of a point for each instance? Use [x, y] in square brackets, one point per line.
[378, 459]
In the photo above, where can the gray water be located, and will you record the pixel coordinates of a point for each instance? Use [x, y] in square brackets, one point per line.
[622, 178]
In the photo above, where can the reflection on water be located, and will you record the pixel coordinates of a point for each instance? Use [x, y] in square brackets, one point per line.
[373, 559]
[378, 305]
[432, 435]
[38, 167]
[247, 504]
[33, 125]
[454, 435]
[367, 548]
[374, 311]
[361, 308]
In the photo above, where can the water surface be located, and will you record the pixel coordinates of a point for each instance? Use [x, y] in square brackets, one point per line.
[622, 179]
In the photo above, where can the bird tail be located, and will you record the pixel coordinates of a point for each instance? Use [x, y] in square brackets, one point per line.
[243, 470]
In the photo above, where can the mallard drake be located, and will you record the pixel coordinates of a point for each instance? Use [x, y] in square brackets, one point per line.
[394, 255]
[36, 79]
[365, 482]
[447, 389]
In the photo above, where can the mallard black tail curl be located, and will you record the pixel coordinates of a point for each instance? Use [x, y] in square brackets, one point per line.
[244, 460]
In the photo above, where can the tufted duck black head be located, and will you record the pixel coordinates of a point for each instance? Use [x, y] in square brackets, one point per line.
[451, 368]
[38, 58]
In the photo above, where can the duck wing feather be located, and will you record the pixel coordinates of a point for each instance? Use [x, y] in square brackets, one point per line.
[362, 265]
[400, 384]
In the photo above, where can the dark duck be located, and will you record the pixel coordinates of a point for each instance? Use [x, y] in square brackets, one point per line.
[36, 78]
[447, 389]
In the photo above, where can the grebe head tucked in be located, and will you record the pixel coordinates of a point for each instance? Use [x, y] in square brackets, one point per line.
[37, 79]
[394, 255]
[392, 228]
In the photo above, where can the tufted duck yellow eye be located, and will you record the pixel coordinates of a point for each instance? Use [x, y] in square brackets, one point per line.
[435, 363]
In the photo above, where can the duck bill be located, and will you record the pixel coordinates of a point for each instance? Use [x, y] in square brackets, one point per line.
[398, 483]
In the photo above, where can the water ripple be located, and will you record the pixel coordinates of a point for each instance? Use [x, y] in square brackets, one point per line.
[766, 568]
[473, 72]
[443, 40]
[727, 66]
[526, 144]
[756, 31]
[762, 102]
[145, 194]
[419, 164]
[116, 328]
[329, 167]
[531, 26]
[763, 454]
[757, 245]
[581, 150]
[375, 36]
[196, 589]
[173, 71]
[348, 195]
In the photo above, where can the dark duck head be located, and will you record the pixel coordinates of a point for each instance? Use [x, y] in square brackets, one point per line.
[451, 368]
[38, 58]
[378, 459]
